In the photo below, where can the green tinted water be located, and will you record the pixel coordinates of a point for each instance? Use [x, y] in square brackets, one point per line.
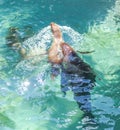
[30, 100]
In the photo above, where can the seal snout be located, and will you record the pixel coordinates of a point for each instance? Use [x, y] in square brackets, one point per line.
[56, 30]
[54, 27]
[53, 24]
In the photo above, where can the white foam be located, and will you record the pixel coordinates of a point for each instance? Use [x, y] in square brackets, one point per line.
[40, 43]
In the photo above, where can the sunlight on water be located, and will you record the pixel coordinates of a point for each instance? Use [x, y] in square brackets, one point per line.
[30, 100]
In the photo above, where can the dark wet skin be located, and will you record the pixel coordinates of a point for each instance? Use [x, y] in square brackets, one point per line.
[78, 76]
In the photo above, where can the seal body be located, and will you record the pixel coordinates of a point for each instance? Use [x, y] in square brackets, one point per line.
[76, 75]
[55, 54]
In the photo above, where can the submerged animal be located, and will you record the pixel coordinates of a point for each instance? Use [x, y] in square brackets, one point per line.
[14, 39]
[76, 75]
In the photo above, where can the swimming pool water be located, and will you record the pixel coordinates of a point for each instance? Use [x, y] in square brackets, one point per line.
[29, 99]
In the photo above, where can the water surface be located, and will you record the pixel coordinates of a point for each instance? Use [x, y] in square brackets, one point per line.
[29, 99]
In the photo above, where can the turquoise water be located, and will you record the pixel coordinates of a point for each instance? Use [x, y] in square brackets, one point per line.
[29, 98]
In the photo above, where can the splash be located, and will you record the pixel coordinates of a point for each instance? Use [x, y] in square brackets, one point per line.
[39, 44]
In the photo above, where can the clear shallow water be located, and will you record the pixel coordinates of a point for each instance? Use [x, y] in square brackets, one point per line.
[29, 99]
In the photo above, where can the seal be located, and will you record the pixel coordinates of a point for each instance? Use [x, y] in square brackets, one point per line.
[76, 75]
[59, 50]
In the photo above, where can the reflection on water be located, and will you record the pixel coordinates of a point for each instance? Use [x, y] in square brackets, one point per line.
[29, 99]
